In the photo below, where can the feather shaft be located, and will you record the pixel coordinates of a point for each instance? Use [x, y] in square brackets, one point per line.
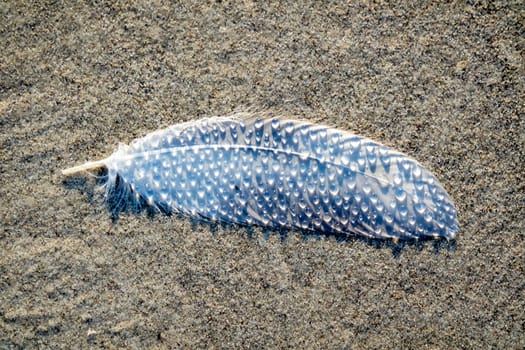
[84, 167]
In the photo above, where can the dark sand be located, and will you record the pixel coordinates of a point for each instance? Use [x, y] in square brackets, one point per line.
[443, 83]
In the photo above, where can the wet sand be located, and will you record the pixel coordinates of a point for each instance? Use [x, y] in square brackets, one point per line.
[442, 83]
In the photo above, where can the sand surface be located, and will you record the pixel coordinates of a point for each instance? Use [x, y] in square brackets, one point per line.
[443, 83]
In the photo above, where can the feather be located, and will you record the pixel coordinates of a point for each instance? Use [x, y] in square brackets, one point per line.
[279, 173]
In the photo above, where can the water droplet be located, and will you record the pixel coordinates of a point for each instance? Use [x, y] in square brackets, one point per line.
[259, 123]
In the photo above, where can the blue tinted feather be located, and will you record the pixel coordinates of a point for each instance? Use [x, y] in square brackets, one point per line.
[279, 173]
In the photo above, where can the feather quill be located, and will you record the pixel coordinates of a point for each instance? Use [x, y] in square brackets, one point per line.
[279, 173]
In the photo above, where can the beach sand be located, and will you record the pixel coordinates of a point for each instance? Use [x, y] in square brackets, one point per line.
[443, 83]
